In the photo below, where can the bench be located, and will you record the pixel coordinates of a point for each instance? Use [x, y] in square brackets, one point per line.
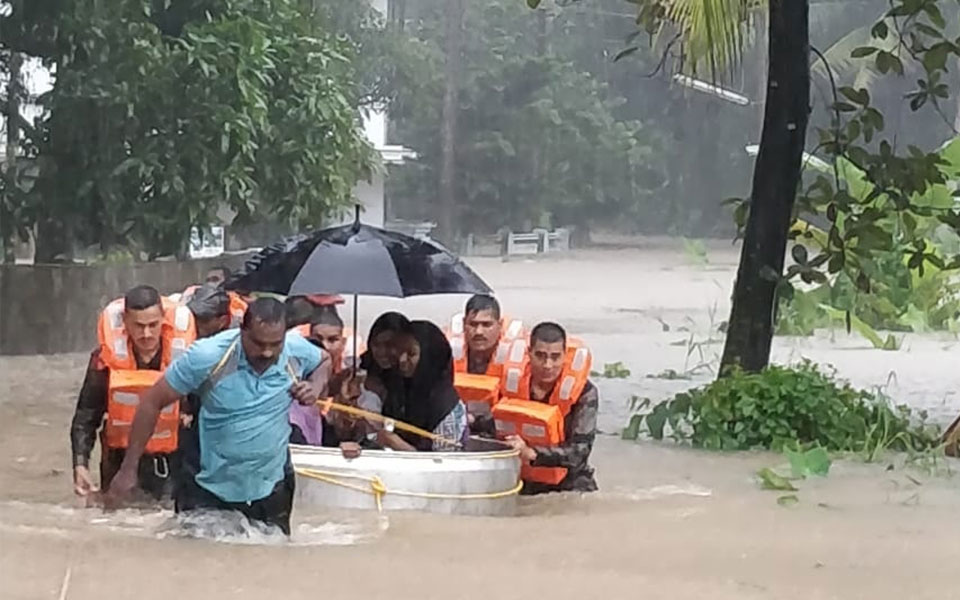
[538, 241]
[417, 229]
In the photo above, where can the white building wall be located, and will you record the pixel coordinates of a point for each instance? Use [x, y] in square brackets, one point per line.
[370, 196]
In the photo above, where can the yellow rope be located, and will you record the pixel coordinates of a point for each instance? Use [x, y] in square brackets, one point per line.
[328, 404]
[378, 489]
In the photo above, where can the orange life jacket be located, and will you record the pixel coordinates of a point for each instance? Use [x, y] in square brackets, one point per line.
[479, 392]
[511, 329]
[238, 307]
[126, 382]
[540, 423]
[124, 391]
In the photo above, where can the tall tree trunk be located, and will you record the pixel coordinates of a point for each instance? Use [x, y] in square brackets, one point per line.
[453, 20]
[762, 33]
[13, 143]
[536, 153]
[775, 179]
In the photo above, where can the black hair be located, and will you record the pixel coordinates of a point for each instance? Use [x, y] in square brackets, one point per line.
[327, 315]
[390, 321]
[209, 301]
[264, 310]
[223, 269]
[141, 297]
[481, 302]
[299, 311]
[549, 333]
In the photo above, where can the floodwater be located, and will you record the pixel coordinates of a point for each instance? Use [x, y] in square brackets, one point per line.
[669, 522]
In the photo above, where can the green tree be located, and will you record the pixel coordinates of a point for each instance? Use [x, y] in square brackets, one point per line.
[711, 31]
[164, 112]
[540, 140]
[712, 34]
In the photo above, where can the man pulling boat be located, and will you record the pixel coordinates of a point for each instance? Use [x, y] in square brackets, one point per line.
[246, 381]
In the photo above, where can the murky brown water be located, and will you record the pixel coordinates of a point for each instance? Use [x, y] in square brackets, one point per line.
[668, 523]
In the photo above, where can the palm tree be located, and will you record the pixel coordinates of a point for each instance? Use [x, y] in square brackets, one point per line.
[775, 180]
[712, 36]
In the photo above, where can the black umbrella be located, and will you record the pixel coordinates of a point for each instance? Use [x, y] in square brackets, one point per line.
[360, 260]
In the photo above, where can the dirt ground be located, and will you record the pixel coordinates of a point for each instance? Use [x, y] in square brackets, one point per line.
[668, 523]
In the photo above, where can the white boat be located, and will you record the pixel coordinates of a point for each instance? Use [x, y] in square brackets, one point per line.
[484, 479]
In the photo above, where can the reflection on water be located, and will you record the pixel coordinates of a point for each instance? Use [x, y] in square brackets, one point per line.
[52, 520]
[608, 500]
[662, 491]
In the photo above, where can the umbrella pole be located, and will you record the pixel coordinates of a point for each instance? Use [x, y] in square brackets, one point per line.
[355, 333]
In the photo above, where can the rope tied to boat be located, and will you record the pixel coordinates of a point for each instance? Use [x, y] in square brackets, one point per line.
[378, 489]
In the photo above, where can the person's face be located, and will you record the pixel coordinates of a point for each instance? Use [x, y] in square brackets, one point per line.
[330, 338]
[209, 327]
[546, 362]
[262, 344]
[482, 330]
[409, 356]
[144, 327]
[216, 276]
[383, 349]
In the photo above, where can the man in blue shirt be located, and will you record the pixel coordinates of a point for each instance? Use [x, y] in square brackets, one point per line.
[246, 380]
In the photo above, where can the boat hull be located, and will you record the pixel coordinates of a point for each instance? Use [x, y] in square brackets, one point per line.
[463, 483]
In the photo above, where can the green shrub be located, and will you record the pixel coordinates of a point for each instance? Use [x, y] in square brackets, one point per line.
[781, 408]
[899, 299]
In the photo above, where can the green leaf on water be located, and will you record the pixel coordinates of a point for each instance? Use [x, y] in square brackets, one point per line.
[656, 421]
[632, 431]
[770, 480]
[814, 461]
[788, 500]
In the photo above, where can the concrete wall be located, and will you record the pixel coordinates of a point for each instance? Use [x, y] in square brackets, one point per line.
[49, 309]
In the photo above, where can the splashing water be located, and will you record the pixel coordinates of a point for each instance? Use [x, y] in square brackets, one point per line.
[52, 520]
[234, 528]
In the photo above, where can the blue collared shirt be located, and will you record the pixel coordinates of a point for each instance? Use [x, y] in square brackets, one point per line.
[243, 422]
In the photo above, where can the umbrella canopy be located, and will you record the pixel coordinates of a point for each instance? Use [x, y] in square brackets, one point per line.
[360, 260]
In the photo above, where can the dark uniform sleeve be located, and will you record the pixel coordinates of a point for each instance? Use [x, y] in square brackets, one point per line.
[484, 425]
[91, 404]
[581, 430]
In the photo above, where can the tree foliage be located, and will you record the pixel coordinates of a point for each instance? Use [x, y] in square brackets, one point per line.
[889, 245]
[540, 141]
[163, 113]
[887, 250]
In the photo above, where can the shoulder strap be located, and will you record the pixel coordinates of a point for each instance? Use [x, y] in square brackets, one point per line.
[210, 381]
